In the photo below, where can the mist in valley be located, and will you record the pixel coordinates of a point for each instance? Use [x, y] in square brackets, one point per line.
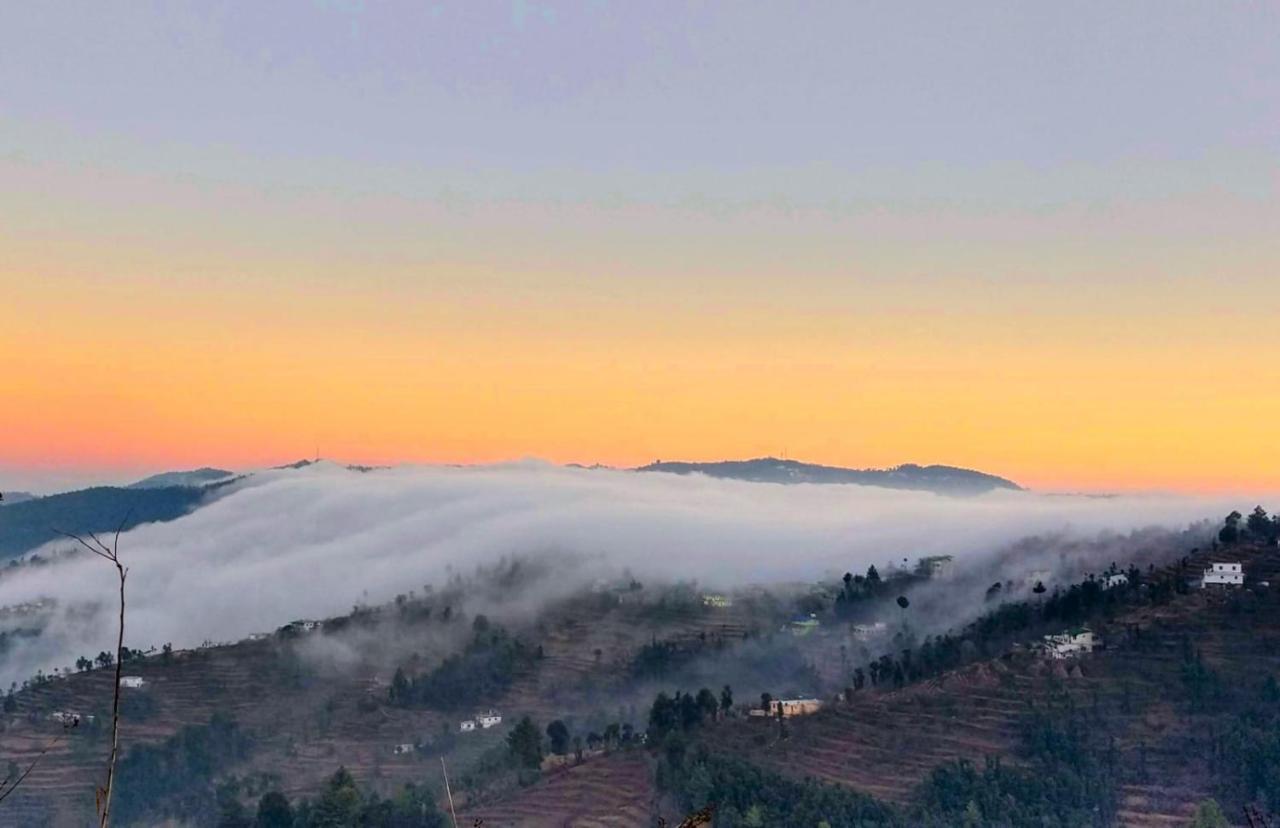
[314, 542]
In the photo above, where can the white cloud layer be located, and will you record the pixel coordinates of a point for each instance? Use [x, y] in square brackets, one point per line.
[311, 542]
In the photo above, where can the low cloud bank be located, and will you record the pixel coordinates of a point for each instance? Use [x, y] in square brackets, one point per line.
[312, 542]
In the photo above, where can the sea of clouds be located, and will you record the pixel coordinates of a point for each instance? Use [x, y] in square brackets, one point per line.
[311, 542]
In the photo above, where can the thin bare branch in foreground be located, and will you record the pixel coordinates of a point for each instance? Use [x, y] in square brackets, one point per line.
[112, 554]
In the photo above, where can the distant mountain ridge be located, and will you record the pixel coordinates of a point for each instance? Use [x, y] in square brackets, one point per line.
[195, 477]
[27, 524]
[939, 479]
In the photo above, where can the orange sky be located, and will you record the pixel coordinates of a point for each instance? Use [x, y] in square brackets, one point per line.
[1083, 376]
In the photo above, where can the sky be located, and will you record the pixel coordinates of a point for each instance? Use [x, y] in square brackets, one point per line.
[1041, 240]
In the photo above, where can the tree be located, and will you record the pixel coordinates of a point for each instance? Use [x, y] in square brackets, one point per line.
[1039, 588]
[873, 577]
[726, 700]
[399, 690]
[111, 554]
[524, 744]
[558, 733]
[274, 811]
[766, 701]
[707, 703]
[1230, 531]
[1209, 815]
[664, 716]
[1261, 526]
[903, 602]
[339, 803]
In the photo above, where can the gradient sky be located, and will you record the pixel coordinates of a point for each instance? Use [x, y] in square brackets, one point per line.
[1038, 239]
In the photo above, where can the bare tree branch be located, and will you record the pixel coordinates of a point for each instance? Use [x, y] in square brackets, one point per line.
[102, 798]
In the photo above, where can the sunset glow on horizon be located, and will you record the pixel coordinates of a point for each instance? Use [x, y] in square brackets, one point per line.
[577, 232]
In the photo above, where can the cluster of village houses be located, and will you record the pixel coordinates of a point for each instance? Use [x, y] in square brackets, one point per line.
[1067, 644]
[71, 718]
[1080, 640]
[482, 721]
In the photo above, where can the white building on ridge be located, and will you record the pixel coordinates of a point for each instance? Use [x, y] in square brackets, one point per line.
[1224, 574]
[1071, 643]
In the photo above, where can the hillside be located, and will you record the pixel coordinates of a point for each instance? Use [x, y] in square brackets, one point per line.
[303, 704]
[28, 524]
[1177, 680]
[939, 479]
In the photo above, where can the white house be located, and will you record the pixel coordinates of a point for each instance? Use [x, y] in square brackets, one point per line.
[716, 601]
[132, 681]
[1071, 643]
[489, 718]
[794, 707]
[937, 566]
[866, 632]
[403, 748]
[1118, 579]
[1224, 574]
[467, 726]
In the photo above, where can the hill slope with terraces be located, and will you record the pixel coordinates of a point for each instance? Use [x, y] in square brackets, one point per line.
[1163, 732]
[308, 703]
[308, 712]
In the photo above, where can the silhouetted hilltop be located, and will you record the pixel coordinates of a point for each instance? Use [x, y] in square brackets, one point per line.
[940, 479]
[28, 524]
[196, 477]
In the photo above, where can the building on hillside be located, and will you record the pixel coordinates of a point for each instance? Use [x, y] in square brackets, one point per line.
[1071, 643]
[1223, 574]
[70, 717]
[401, 749]
[787, 708]
[1115, 580]
[802, 624]
[489, 718]
[467, 725]
[716, 601]
[132, 681]
[937, 566]
[302, 625]
[867, 632]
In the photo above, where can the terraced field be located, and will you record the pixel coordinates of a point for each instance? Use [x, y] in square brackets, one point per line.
[613, 791]
[307, 721]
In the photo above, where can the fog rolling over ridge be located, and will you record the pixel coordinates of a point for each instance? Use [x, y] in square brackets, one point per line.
[310, 542]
